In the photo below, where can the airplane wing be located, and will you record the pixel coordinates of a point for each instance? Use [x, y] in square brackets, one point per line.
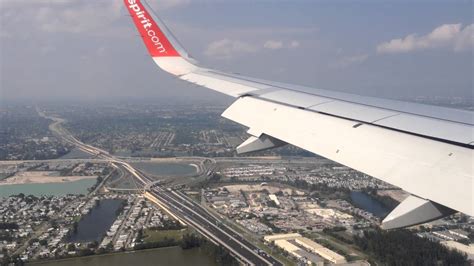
[425, 150]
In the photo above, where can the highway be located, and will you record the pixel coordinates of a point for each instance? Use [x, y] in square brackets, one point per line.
[178, 204]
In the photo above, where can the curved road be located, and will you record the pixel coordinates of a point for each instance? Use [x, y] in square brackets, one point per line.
[177, 203]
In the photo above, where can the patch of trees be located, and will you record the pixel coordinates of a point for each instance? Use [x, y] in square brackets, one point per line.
[85, 252]
[323, 190]
[215, 177]
[334, 229]
[5, 225]
[221, 255]
[13, 260]
[188, 241]
[169, 225]
[165, 242]
[71, 247]
[121, 207]
[266, 221]
[338, 233]
[5, 236]
[97, 183]
[402, 247]
[106, 171]
[75, 225]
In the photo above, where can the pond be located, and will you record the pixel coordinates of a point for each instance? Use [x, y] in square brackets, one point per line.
[166, 169]
[364, 201]
[95, 224]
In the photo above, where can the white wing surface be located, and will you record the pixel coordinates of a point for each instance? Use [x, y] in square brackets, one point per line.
[425, 150]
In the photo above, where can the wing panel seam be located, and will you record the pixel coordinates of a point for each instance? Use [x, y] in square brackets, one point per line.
[338, 99]
[460, 144]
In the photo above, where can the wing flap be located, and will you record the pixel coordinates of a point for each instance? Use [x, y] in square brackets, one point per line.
[413, 163]
[353, 111]
[440, 129]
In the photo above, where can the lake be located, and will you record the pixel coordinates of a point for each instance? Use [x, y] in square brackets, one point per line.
[95, 224]
[163, 256]
[53, 189]
[364, 201]
[165, 169]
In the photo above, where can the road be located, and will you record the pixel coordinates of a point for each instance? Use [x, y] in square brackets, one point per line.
[214, 229]
[177, 203]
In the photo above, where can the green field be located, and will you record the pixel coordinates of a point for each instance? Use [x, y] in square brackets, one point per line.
[158, 235]
[337, 245]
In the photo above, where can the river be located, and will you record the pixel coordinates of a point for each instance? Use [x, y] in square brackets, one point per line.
[95, 224]
[163, 256]
[363, 201]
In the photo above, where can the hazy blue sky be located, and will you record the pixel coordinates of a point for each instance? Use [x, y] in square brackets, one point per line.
[89, 50]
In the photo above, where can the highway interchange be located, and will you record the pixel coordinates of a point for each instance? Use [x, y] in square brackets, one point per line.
[177, 204]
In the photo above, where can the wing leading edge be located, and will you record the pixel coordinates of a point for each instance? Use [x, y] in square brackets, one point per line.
[425, 150]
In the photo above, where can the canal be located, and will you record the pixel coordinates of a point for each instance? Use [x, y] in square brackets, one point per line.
[95, 224]
[363, 201]
[163, 256]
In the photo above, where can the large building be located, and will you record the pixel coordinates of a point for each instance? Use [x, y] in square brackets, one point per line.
[271, 238]
[302, 248]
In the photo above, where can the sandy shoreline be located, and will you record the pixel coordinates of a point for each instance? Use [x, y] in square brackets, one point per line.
[36, 177]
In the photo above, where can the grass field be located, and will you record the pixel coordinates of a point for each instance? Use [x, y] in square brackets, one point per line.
[334, 243]
[157, 235]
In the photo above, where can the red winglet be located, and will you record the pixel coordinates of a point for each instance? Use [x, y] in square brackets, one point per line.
[155, 40]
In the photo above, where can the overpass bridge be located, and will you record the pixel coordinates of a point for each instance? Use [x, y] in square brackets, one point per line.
[177, 205]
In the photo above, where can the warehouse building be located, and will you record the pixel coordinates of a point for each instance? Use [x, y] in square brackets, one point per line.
[304, 249]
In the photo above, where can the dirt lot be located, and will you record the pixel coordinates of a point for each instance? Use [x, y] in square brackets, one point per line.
[40, 177]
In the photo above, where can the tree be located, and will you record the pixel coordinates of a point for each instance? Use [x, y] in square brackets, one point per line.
[190, 241]
[402, 247]
[71, 247]
[74, 227]
[86, 252]
[109, 246]
[93, 244]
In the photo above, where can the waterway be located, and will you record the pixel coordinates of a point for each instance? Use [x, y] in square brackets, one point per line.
[76, 154]
[53, 189]
[364, 201]
[165, 169]
[174, 256]
[95, 224]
